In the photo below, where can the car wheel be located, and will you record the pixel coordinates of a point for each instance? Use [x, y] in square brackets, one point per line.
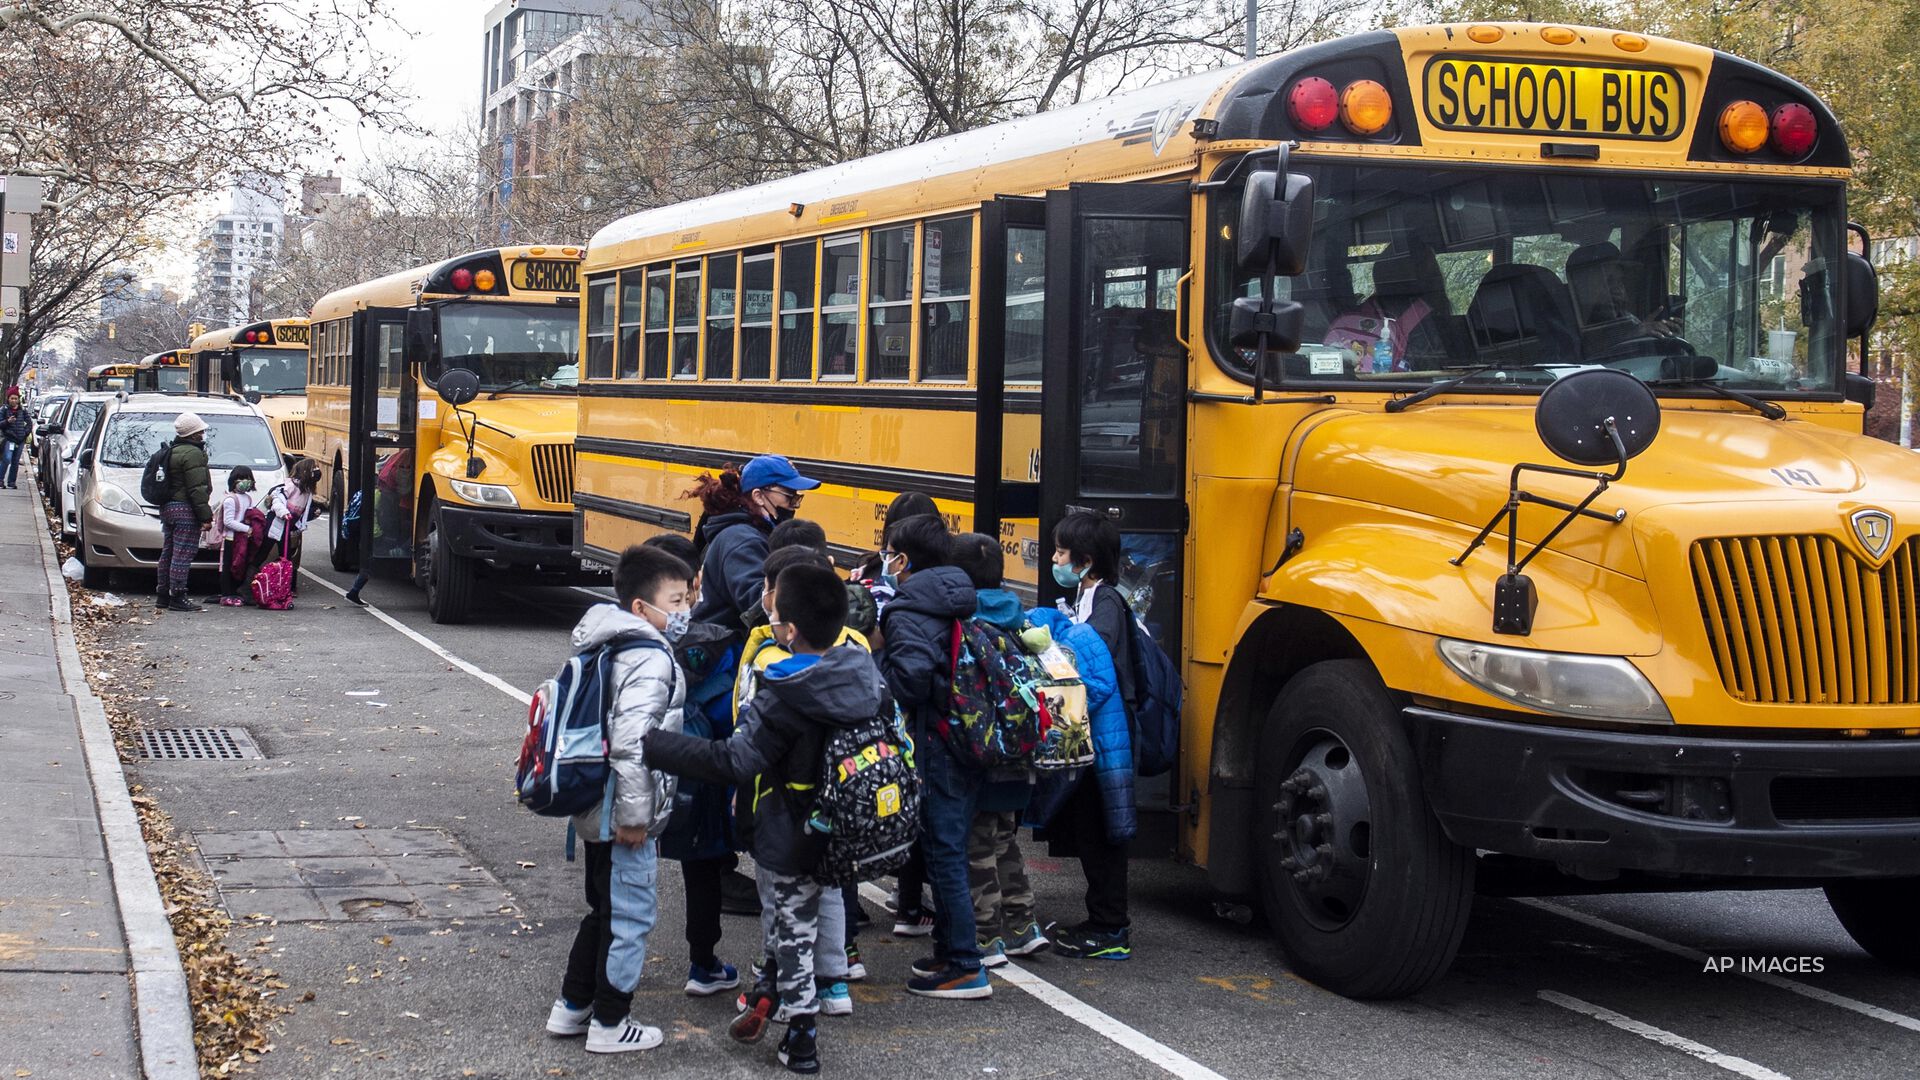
[1879, 915]
[447, 578]
[343, 553]
[1364, 891]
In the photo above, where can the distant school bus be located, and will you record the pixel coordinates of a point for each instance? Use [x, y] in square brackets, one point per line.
[164, 372]
[119, 376]
[1286, 325]
[470, 493]
[265, 361]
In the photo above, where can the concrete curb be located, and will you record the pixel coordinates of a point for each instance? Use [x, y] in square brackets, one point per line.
[163, 1014]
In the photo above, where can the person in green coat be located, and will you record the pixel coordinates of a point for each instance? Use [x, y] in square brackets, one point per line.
[188, 510]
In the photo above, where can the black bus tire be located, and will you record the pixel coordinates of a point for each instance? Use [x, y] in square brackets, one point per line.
[1878, 914]
[448, 580]
[1363, 890]
[343, 553]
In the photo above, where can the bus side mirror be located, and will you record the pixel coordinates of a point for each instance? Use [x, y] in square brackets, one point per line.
[419, 335]
[230, 368]
[1276, 222]
[1863, 295]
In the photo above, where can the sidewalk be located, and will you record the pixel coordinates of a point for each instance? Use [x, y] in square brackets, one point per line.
[67, 973]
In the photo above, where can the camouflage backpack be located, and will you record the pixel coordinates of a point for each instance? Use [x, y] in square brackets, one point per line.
[996, 714]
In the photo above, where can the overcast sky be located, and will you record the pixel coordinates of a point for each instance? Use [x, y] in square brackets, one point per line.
[437, 56]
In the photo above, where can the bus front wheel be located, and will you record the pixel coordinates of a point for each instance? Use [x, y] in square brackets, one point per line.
[447, 577]
[339, 549]
[1364, 891]
[1878, 914]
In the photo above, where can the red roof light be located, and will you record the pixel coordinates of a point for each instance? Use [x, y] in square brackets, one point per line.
[1794, 130]
[1313, 104]
[462, 279]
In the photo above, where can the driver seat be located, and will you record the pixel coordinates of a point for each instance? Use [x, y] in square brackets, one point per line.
[1521, 314]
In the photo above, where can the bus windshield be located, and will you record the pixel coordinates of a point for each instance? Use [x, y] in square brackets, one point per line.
[1418, 273]
[273, 371]
[170, 380]
[513, 346]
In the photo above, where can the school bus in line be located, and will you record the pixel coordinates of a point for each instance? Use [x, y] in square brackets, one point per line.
[468, 495]
[1206, 309]
[164, 372]
[266, 362]
[115, 376]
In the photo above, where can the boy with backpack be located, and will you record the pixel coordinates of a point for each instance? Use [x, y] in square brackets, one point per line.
[645, 690]
[1002, 896]
[780, 747]
[919, 626]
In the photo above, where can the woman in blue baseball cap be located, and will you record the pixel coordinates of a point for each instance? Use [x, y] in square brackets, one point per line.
[740, 510]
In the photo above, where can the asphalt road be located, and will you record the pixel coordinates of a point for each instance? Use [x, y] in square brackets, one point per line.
[1576, 987]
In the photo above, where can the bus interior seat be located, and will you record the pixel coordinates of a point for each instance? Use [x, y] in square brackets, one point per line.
[1521, 314]
[1602, 322]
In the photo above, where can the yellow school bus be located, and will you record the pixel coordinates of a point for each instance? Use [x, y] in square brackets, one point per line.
[164, 372]
[118, 376]
[266, 362]
[1354, 344]
[465, 490]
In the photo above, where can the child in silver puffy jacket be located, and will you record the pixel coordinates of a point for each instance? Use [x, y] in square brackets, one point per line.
[648, 690]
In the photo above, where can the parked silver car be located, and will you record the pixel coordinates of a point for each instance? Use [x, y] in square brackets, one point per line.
[60, 442]
[120, 531]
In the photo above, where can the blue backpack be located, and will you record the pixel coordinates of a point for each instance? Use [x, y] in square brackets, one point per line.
[1156, 686]
[563, 768]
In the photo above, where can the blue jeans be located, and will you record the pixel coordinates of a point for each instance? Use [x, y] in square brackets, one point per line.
[10, 457]
[611, 946]
[949, 787]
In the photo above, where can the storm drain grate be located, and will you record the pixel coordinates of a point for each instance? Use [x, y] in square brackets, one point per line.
[198, 744]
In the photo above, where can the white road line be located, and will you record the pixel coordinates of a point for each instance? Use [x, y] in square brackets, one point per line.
[1666, 1038]
[1135, 1042]
[432, 646]
[1839, 1001]
[1138, 1043]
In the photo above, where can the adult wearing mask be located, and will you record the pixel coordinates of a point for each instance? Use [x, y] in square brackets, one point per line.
[734, 533]
[16, 427]
[188, 510]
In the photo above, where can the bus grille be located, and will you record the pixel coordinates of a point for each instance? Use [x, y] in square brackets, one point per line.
[293, 434]
[1800, 620]
[553, 472]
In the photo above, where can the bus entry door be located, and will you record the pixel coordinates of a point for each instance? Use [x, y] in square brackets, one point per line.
[384, 409]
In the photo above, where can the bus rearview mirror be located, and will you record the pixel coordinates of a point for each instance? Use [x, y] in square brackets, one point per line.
[1863, 294]
[419, 336]
[457, 386]
[230, 368]
[1273, 326]
[1276, 222]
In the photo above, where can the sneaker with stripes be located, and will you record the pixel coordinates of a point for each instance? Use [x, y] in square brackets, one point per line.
[625, 1037]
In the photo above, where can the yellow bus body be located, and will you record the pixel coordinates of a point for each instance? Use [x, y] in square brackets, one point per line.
[281, 342]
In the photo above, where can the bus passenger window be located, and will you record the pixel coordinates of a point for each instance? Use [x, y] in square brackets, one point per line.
[1026, 303]
[797, 298]
[599, 330]
[946, 289]
[890, 304]
[840, 308]
[632, 302]
[686, 320]
[659, 284]
[720, 274]
[756, 316]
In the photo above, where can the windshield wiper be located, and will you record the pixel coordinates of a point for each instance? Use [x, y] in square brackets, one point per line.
[1760, 405]
[515, 385]
[1444, 385]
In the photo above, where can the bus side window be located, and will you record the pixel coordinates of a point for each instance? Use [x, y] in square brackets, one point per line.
[686, 319]
[659, 286]
[798, 276]
[889, 303]
[756, 316]
[721, 273]
[632, 306]
[946, 290]
[840, 307]
[600, 300]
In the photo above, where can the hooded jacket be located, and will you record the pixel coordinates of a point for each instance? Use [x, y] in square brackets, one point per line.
[732, 567]
[780, 748]
[188, 480]
[918, 627]
[648, 690]
[1112, 741]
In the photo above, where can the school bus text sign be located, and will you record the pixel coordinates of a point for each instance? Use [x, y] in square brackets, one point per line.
[1517, 97]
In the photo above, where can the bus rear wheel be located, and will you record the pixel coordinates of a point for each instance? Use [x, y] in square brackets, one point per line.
[340, 550]
[1364, 891]
[1879, 915]
[447, 577]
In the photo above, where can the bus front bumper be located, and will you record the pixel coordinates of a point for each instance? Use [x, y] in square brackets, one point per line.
[510, 537]
[1599, 802]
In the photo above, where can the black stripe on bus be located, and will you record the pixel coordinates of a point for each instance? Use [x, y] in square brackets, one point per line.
[874, 477]
[677, 520]
[864, 397]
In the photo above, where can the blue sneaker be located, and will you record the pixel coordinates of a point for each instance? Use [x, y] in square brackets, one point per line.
[704, 983]
[952, 982]
[993, 952]
[835, 999]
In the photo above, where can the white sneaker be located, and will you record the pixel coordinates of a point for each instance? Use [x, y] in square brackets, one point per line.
[835, 999]
[618, 1040]
[565, 1020]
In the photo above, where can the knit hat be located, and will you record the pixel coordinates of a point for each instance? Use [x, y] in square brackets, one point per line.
[188, 424]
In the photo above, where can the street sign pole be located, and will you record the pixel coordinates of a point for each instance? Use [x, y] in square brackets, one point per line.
[19, 201]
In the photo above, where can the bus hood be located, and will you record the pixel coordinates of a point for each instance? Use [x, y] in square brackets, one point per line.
[540, 418]
[1452, 463]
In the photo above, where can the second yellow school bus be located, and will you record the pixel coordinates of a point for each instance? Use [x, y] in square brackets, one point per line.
[469, 496]
[115, 376]
[266, 361]
[1712, 676]
[164, 372]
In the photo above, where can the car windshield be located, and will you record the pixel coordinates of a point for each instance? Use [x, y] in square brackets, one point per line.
[132, 437]
[273, 371]
[522, 346]
[80, 417]
[1416, 274]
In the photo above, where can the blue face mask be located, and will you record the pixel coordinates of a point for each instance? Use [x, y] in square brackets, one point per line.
[888, 577]
[1067, 577]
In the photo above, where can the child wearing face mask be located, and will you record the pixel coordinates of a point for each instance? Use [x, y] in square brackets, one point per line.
[236, 534]
[648, 691]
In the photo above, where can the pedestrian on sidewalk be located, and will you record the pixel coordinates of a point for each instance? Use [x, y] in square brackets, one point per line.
[188, 511]
[622, 877]
[16, 427]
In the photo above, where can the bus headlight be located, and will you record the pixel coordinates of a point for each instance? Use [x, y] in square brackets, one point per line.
[483, 494]
[112, 498]
[1565, 684]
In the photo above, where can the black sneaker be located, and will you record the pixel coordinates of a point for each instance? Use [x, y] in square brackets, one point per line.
[929, 965]
[354, 599]
[179, 602]
[160, 601]
[1084, 943]
[800, 1049]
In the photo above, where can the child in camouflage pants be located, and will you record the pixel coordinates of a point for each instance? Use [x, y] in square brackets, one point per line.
[1002, 897]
